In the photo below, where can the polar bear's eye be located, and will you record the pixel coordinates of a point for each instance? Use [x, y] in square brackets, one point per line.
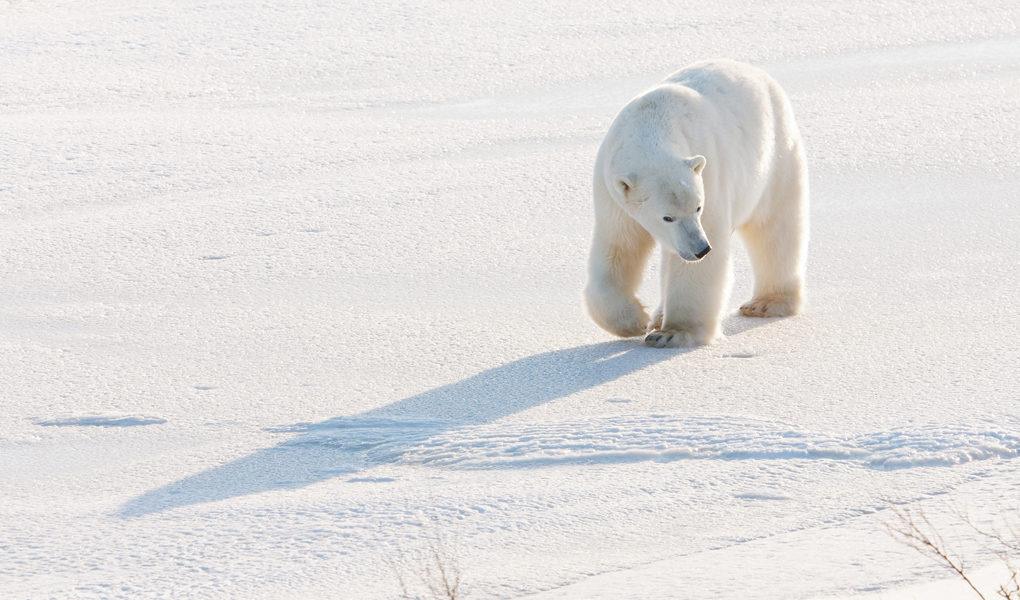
[668, 219]
[698, 209]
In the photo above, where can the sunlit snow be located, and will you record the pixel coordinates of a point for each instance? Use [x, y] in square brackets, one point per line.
[290, 290]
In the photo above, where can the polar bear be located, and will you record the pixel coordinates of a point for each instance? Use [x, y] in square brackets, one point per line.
[712, 150]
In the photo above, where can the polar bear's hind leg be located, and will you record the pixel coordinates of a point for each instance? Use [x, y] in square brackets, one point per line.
[776, 243]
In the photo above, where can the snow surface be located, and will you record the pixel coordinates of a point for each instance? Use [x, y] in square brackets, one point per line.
[289, 290]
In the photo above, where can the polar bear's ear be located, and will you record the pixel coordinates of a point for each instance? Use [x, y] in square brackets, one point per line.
[625, 183]
[696, 162]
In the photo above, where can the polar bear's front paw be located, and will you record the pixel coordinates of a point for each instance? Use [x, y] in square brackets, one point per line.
[771, 305]
[630, 323]
[625, 319]
[671, 338]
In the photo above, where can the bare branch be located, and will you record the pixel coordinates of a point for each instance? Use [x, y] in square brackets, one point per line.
[437, 571]
[398, 572]
[928, 542]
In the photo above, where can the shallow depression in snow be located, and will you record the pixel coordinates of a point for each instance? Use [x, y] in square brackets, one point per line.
[669, 437]
[101, 421]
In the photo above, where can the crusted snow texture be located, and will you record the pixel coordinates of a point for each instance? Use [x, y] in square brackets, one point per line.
[288, 288]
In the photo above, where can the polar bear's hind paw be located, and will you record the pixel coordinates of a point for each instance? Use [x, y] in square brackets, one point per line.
[769, 306]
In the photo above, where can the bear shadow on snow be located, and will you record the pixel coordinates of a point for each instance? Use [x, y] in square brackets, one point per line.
[344, 446]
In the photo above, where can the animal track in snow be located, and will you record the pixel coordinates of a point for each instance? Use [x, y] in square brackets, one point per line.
[101, 421]
[746, 354]
[371, 480]
[762, 495]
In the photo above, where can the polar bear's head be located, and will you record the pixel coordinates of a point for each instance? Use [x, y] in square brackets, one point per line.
[667, 201]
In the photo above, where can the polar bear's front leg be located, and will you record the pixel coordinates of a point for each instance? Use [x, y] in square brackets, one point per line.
[620, 248]
[693, 298]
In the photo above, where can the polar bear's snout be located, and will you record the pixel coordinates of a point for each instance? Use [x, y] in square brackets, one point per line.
[696, 256]
[692, 255]
[690, 241]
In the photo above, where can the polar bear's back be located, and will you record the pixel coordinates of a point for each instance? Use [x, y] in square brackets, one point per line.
[745, 119]
[739, 92]
[719, 81]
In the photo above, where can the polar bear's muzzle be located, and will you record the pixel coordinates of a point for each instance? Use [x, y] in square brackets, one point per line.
[690, 242]
[694, 256]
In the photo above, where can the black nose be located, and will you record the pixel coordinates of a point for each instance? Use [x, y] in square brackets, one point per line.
[704, 252]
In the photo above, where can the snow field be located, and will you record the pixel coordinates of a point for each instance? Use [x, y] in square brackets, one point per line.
[288, 289]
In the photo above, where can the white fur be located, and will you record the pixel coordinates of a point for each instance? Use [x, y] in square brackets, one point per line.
[718, 135]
